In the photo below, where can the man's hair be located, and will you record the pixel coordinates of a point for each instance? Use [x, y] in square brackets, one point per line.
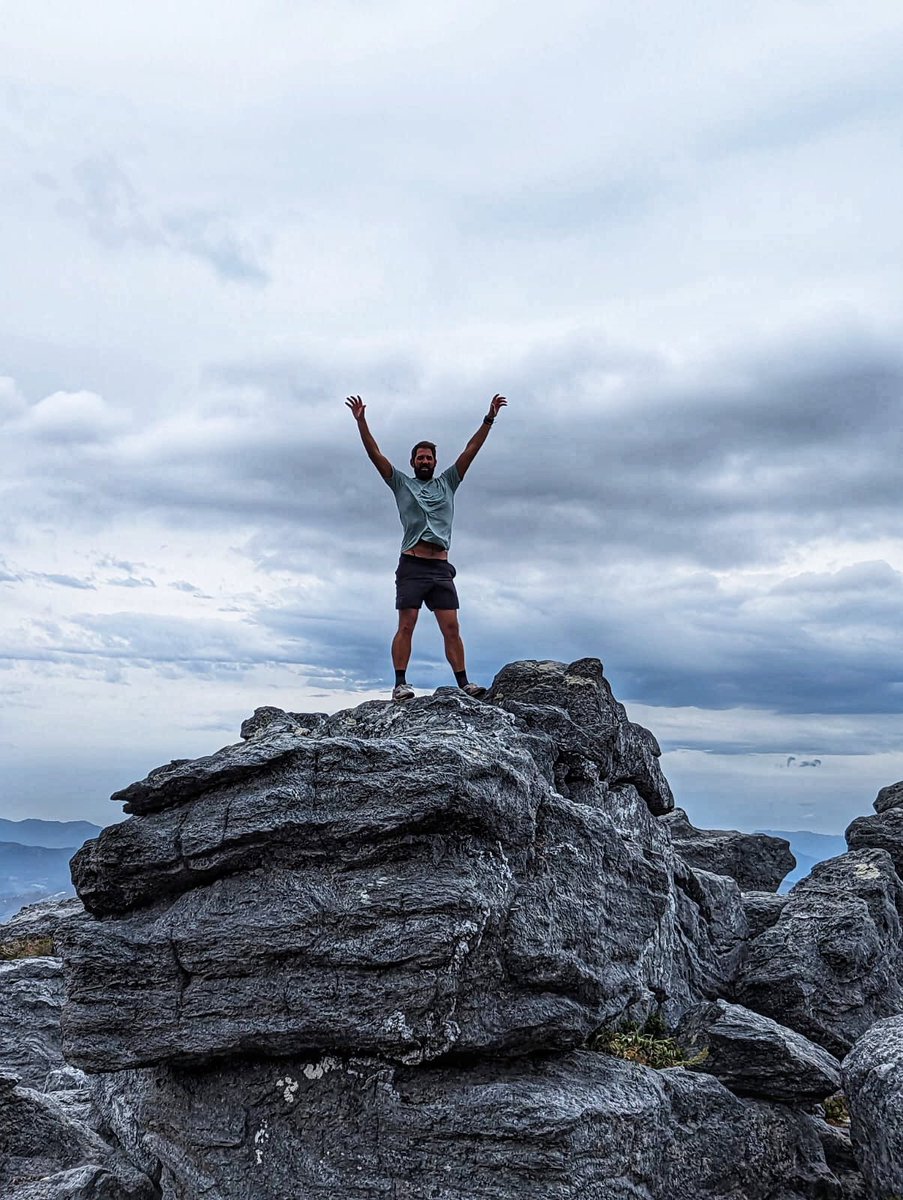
[428, 445]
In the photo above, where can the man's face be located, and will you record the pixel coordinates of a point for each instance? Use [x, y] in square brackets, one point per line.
[424, 463]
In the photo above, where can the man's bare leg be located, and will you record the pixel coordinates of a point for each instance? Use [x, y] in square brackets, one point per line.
[454, 649]
[447, 619]
[401, 652]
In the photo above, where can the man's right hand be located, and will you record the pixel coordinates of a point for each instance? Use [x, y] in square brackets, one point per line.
[357, 406]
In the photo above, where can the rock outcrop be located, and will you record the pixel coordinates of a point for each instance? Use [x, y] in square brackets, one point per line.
[364, 954]
[873, 1081]
[832, 964]
[755, 1056]
[889, 797]
[757, 861]
[408, 882]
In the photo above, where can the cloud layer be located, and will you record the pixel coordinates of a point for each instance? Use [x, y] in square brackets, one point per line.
[672, 242]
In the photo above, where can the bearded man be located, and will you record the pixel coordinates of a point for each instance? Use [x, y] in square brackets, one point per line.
[426, 508]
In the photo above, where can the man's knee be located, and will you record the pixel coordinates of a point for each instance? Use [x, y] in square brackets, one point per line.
[448, 622]
[407, 619]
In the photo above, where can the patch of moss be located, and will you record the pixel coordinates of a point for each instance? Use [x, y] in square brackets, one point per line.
[836, 1111]
[26, 947]
[648, 1045]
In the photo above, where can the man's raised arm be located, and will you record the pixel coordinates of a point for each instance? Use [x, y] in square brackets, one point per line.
[469, 453]
[358, 410]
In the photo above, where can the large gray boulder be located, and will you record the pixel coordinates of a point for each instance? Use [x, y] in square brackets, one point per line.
[873, 1082]
[582, 1126]
[403, 881]
[757, 861]
[832, 964]
[31, 1000]
[882, 831]
[755, 1056]
[359, 954]
[573, 706]
[889, 797]
[34, 927]
[762, 910]
[46, 1155]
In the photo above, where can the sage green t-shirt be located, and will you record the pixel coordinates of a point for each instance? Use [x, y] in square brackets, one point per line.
[426, 509]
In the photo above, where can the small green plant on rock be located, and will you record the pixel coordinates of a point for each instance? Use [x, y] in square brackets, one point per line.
[647, 1045]
[26, 947]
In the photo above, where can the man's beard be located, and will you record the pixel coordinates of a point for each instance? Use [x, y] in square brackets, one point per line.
[424, 473]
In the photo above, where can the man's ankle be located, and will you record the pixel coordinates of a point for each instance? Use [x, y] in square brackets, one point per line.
[399, 677]
[461, 678]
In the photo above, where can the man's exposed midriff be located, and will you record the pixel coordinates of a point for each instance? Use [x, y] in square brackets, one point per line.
[426, 550]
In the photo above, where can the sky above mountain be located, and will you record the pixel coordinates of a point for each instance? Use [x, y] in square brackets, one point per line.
[669, 234]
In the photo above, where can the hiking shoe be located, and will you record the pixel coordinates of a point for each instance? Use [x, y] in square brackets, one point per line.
[474, 689]
[402, 692]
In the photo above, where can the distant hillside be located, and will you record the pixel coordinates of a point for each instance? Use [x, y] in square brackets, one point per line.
[58, 834]
[808, 849]
[34, 860]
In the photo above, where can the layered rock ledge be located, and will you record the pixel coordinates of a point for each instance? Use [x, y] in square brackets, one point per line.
[364, 954]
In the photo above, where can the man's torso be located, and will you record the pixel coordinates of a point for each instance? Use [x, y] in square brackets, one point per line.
[426, 510]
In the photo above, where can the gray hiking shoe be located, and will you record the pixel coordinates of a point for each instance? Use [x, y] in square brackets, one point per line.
[474, 689]
[402, 692]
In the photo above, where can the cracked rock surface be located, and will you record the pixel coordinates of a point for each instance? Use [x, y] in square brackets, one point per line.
[758, 861]
[361, 956]
[832, 964]
[446, 876]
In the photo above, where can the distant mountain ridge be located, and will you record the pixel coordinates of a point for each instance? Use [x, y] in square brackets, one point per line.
[808, 849]
[34, 860]
[53, 834]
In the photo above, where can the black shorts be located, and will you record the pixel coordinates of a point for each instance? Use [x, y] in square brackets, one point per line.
[425, 579]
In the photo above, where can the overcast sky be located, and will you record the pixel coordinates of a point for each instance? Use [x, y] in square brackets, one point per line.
[668, 233]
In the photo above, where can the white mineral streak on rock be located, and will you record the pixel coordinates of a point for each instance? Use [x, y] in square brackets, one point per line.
[261, 1137]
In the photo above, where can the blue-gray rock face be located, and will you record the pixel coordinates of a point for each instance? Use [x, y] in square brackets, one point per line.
[31, 1000]
[755, 1056]
[757, 861]
[832, 964]
[873, 1082]
[359, 956]
[46, 1155]
[889, 797]
[403, 881]
[881, 831]
[762, 910]
[582, 1126]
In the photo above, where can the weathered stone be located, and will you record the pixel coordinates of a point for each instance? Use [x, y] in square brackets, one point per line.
[838, 1149]
[36, 923]
[271, 720]
[889, 797]
[873, 1083]
[31, 1000]
[832, 964]
[580, 1127]
[762, 909]
[586, 721]
[45, 1155]
[755, 1056]
[757, 861]
[883, 831]
[408, 882]
[711, 936]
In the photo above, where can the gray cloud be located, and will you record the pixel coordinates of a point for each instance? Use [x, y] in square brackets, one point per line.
[67, 581]
[104, 197]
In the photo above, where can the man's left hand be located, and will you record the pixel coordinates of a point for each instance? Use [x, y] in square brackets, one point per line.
[495, 404]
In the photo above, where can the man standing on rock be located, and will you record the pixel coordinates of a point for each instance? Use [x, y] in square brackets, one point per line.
[426, 507]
